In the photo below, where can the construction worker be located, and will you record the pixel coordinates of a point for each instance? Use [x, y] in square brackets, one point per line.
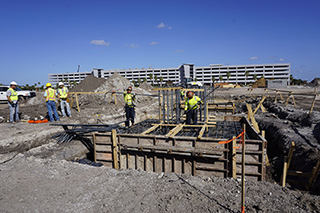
[191, 107]
[50, 96]
[13, 98]
[63, 94]
[129, 107]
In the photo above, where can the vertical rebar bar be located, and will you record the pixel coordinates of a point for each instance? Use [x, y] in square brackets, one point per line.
[168, 106]
[178, 105]
[171, 106]
[205, 103]
[163, 106]
[159, 100]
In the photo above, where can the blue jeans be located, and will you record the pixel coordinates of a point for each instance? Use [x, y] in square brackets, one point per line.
[14, 112]
[51, 106]
[65, 104]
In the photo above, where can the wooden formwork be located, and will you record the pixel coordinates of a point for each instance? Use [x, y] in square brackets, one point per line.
[179, 154]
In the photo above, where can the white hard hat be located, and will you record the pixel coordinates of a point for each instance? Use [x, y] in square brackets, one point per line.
[61, 84]
[13, 83]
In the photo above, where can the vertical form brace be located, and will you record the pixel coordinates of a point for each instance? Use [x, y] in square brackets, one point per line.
[114, 149]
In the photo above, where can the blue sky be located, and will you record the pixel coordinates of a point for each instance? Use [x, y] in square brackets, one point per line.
[39, 37]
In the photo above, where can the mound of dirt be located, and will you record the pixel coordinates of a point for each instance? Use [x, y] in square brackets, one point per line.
[146, 86]
[89, 84]
[315, 82]
[114, 83]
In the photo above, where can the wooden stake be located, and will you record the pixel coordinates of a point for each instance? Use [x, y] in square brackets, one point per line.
[314, 173]
[77, 102]
[114, 149]
[286, 165]
[234, 160]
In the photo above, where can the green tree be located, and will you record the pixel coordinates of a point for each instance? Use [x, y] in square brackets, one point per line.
[151, 77]
[228, 75]
[161, 80]
[139, 81]
[255, 77]
[220, 78]
[144, 79]
[247, 73]
[156, 78]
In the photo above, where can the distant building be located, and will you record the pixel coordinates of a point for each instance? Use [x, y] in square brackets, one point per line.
[238, 74]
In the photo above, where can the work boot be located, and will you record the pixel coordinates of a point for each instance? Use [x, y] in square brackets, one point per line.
[132, 124]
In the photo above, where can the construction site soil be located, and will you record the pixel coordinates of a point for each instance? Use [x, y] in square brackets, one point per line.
[39, 175]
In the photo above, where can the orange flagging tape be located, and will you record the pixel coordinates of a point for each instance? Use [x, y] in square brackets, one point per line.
[228, 141]
[242, 209]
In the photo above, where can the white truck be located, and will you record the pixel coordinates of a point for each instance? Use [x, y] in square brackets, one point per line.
[22, 94]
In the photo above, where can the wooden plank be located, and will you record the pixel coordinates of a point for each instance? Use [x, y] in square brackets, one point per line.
[251, 117]
[234, 157]
[202, 131]
[260, 103]
[104, 156]
[115, 149]
[77, 102]
[175, 131]
[150, 129]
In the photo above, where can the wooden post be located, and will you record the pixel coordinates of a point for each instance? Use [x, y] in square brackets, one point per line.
[286, 165]
[234, 160]
[316, 96]
[114, 149]
[77, 102]
[263, 134]
[243, 171]
[314, 173]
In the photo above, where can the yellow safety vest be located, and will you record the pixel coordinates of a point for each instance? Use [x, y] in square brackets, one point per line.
[191, 103]
[14, 95]
[128, 99]
[63, 92]
[51, 96]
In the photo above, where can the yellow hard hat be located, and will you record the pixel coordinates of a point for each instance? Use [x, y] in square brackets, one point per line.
[48, 85]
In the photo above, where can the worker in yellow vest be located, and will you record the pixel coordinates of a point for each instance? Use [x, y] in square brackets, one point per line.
[50, 96]
[63, 94]
[129, 107]
[13, 98]
[191, 107]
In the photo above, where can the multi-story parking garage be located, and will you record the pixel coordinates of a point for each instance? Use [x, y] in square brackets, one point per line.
[236, 74]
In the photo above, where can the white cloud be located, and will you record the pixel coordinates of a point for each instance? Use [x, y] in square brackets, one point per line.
[154, 43]
[99, 42]
[132, 45]
[162, 25]
[254, 58]
[281, 59]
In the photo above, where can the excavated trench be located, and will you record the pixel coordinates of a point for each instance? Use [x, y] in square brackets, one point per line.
[282, 127]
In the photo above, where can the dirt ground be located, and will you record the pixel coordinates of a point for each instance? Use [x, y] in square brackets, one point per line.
[38, 175]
